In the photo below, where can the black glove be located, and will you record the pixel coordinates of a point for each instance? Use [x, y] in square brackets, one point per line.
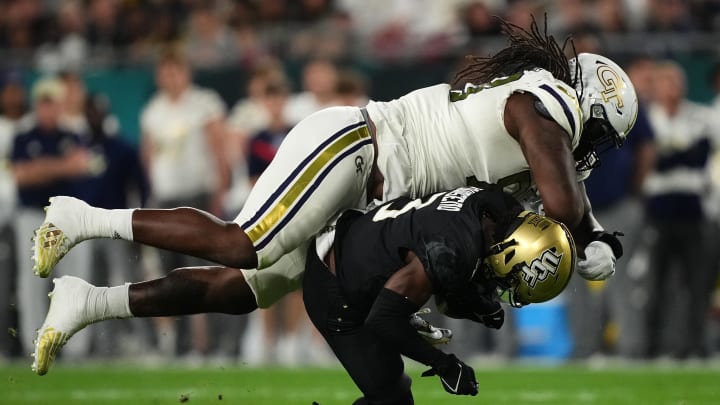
[612, 240]
[494, 320]
[457, 377]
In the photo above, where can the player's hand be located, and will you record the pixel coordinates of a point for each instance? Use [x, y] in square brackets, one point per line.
[599, 262]
[475, 307]
[457, 377]
[493, 320]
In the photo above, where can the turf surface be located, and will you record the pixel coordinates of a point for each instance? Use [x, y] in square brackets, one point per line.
[112, 384]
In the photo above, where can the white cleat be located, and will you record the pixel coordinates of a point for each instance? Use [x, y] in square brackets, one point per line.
[58, 233]
[66, 316]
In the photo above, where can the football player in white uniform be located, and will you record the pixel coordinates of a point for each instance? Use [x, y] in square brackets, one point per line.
[525, 118]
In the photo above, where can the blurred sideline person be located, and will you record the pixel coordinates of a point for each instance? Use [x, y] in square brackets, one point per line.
[680, 267]
[73, 116]
[46, 161]
[319, 82]
[281, 323]
[352, 88]
[614, 309]
[540, 145]
[461, 246]
[183, 134]
[246, 118]
[12, 108]
[120, 183]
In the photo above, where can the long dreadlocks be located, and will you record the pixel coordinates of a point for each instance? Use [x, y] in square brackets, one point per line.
[526, 50]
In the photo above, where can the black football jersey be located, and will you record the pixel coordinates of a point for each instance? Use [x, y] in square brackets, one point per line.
[445, 231]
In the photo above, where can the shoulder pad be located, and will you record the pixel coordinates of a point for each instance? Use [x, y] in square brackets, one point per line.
[541, 109]
[559, 100]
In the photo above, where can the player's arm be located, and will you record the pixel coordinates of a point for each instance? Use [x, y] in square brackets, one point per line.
[599, 250]
[588, 225]
[548, 151]
[402, 296]
[215, 132]
[44, 170]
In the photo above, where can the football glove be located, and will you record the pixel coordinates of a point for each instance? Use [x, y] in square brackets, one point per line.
[493, 320]
[599, 262]
[431, 334]
[456, 377]
[476, 308]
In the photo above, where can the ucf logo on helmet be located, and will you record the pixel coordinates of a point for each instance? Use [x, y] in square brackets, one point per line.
[611, 82]
[541, 267]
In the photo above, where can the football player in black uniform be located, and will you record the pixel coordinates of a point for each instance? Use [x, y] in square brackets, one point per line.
[469, 248]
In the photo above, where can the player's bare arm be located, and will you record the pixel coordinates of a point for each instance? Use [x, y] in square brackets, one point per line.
[588, 225]
[547, 149]
[47, 169]
[411, 281]
[216, 134]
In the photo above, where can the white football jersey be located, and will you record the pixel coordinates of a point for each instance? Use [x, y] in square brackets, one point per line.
[182, 164]
[436, 139]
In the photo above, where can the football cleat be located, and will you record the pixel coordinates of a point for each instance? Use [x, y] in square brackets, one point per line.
[57, 234]
[66, 316]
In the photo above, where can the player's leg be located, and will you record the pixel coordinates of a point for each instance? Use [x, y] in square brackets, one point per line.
[186, 291]
[377, 370]
[69, 221]
[321, 168]
[192, 290]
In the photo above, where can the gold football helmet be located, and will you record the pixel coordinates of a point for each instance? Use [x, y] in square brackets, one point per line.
[535, 260]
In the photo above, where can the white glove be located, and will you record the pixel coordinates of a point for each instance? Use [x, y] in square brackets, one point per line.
[431, 334]
[599, 262]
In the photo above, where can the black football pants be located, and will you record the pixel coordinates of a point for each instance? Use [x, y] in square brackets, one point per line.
[376, 369]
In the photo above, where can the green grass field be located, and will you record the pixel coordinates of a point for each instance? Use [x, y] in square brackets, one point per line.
[112, 384]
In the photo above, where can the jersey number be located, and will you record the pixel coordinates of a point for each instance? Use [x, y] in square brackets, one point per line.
[387, 211]
[458, 95]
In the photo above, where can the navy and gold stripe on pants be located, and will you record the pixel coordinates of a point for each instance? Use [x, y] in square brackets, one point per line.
[284, 203]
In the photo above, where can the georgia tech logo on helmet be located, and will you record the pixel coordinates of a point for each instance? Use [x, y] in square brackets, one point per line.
[611, 82]
[541, 267]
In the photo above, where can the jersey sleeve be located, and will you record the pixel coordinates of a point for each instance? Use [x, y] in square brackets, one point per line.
[448, 264]
[449, 239]
[558, 98]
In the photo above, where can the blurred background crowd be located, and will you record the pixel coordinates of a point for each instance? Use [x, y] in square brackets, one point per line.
[128, 103]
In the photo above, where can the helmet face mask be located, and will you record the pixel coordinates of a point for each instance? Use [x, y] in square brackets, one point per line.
[505, 292]
[598, 136]
[534, 262]
[609, 104]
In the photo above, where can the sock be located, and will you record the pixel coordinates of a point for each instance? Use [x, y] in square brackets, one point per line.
[116, 224]
[108, 303]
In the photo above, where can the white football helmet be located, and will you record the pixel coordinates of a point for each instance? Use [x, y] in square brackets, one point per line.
[609, 106]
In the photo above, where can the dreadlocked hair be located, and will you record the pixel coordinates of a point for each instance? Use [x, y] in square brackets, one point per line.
[526, 50]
